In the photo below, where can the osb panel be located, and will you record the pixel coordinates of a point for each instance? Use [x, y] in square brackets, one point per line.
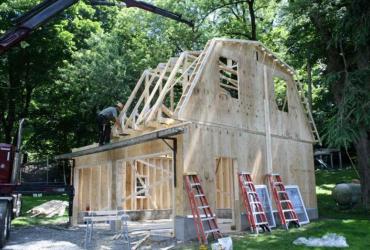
[208, 104]
[208, 143]
[293, 160]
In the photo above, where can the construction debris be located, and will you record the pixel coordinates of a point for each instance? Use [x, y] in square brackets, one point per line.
[223, 244]
[49, 209]
[141, 242]
[328, 240]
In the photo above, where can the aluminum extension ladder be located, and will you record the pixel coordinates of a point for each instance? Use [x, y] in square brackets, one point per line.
[204, 220]
[284, 205]
[255, 213]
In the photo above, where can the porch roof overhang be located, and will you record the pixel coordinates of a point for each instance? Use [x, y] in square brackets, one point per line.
[154, 135]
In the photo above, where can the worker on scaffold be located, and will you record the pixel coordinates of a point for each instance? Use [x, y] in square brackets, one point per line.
[104, 119]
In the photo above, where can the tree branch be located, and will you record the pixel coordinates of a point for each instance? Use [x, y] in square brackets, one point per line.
[217, 8]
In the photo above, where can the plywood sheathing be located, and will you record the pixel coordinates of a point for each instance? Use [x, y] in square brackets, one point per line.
[103, 180]
[292, 159]
[249, 131]
[208, 104]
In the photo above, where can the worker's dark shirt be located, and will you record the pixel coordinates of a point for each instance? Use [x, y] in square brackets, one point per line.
[109, 113]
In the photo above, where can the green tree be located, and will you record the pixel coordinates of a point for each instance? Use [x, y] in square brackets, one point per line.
[33, 65]
[335, 36]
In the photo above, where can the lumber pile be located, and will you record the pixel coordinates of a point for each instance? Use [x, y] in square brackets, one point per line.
[49, 209]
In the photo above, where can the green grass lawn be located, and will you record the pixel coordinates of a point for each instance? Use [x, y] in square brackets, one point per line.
[29, 202]
[357, 233]
[353, 224]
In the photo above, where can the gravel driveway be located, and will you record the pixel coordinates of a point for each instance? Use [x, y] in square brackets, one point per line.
[61, 238]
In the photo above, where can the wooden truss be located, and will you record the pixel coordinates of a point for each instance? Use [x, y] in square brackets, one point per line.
[161, 94]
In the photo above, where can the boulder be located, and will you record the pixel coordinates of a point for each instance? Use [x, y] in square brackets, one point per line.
[347, 194]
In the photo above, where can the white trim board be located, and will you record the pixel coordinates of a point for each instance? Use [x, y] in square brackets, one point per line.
[263, 194]
[297, 203]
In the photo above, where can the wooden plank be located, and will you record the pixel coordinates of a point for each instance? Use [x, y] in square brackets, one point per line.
[131, 185]
[155, 89]
[77, 201]
[121, 184]
[163, 93]
[161, 189]
[99, 188]
[153, 185]
[94, 188]
[222, 169]
[218, 181]
[267, 122]
[133, 93]
[104, 193]
[109, 181]
[227, 184]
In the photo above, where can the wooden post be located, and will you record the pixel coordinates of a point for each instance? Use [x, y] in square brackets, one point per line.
[237, 215]
[99, 207]
[340, 159]
[90, 189]
[173, 192]
[267, 122]
[76, 198]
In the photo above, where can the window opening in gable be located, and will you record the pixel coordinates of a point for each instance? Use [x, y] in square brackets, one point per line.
[280, 92]
[228, 71]
[141, 185]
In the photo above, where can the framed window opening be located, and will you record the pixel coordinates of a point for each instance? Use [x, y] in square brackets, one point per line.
[141, 187]
[281, 93]
[228, 72]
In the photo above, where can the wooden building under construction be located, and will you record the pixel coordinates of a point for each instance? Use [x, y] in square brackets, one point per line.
[232, 107]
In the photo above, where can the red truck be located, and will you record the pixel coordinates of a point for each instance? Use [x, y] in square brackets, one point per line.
[10, 200]
[11, 189]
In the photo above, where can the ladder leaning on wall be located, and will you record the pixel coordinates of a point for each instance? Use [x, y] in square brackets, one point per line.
[255, 213]
[308, 111]
[204, 219]
[286, 211]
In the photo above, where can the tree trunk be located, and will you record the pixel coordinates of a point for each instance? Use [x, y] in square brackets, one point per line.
[363, 156]
[11, 109]
[253, 20]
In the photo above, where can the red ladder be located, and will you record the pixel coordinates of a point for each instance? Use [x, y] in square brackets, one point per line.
[255, 213]
[284, 206]
[204, 220]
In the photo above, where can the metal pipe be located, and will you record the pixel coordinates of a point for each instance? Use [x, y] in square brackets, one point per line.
[17, 157]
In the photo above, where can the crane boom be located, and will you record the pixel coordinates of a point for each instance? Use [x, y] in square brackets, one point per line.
[47, 9]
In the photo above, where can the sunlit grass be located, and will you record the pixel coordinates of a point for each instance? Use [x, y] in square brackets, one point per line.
[356, 233]
[353, 224]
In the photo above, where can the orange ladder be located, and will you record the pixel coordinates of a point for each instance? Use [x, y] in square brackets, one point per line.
[204, 220]
[284, 205]
[255, 213]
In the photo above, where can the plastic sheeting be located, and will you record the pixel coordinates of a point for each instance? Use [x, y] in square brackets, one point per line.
[328, 240]
[223, 244]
